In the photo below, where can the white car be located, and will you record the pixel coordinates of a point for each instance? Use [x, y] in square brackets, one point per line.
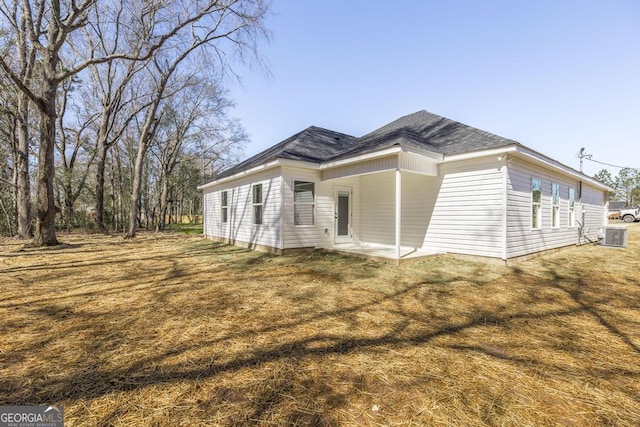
[630, 214]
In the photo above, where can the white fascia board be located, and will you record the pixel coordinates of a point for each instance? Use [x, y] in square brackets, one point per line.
[246, 172]
[477, 154]
[382, 153]
[436, 157]
[526, 153]
[361, 158]
[260, 168]
[539, 158]
[299, 164]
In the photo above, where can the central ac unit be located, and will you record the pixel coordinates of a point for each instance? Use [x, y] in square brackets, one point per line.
[615, 236]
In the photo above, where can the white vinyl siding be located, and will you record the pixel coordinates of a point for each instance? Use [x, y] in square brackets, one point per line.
[377, 203]
[418, 197]
[458, 212]
[418, 164]
[361, 168]
[468, 208]
[296, 236]
[239, 226]
[521, 239]
[326, 209]
[479, 206]
[322, 233]
[593, 211]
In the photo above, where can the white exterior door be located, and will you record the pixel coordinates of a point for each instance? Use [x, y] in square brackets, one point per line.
[342, 215]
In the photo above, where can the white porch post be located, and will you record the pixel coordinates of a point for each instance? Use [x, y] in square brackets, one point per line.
[398, 211]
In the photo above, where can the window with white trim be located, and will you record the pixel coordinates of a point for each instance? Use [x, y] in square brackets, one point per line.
[555, 205]
[224, 206]
[257, 204]
[536, 203]
[572, 207]
[304, 197]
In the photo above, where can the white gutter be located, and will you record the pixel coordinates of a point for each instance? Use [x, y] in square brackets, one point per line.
[505, 202]
[531, 155]
[360, 158]
[478, 154]
[398, 213]
[260, 168]
[546, 161]
[515, 149]
[382, 153]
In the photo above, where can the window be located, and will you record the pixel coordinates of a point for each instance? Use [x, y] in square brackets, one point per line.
[257, 204]
[303, 202]
[572, 207]
[536, 200]
[224, 206]
[555, 205]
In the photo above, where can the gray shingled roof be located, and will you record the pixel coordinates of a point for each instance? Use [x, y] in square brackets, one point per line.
[426, 131]
[422, 131]
[314, 144]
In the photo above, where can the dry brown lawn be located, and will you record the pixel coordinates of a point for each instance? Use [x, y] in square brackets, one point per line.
[176, 330]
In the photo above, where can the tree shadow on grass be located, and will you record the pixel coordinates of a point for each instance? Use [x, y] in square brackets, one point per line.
[405, 329]
[82, 385]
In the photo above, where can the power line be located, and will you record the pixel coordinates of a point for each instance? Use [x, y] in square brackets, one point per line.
[607, 164]
[581, 155]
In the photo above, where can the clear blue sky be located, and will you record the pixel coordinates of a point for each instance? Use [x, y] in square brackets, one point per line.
[554, 75]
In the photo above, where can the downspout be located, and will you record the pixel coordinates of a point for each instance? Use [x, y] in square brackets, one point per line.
[398, 211]
[505, 201]
[281, 210]
[204, 215]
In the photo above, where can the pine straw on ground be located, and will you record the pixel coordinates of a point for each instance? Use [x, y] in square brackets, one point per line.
[171, 329]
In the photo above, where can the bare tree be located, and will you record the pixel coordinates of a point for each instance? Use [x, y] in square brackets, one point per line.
[110, 85]
[195, 118]
[23, 53]
[71, 144]
[49, 27]
[46, 25]
[223, 28]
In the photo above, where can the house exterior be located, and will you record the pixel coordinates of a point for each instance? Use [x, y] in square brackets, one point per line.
[420, 184]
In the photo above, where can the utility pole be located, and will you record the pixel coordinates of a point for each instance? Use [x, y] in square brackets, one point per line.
[582, 156]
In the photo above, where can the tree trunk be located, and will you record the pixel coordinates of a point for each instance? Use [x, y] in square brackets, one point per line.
[100, 167]
[23, 189]
[68, 214]
[135, 191]
[164, 196]
[46, 212]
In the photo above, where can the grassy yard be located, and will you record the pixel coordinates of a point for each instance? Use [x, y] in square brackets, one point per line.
[171, 329]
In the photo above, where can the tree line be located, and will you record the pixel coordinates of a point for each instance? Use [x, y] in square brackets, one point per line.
[112, 112]
[626, 185]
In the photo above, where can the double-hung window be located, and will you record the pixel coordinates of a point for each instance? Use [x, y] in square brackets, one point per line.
[536, 203]
[224, 206]
[303, 202]
[257, 204]
[555, 205]
[572, 207]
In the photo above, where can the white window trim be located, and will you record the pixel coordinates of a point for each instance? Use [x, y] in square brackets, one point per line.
[224, 208]
[555, 207]
[572, 210]
[313, 204]
[254, 205]
[539, 204]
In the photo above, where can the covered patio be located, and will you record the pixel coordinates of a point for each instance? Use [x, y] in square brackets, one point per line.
[386, 212]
